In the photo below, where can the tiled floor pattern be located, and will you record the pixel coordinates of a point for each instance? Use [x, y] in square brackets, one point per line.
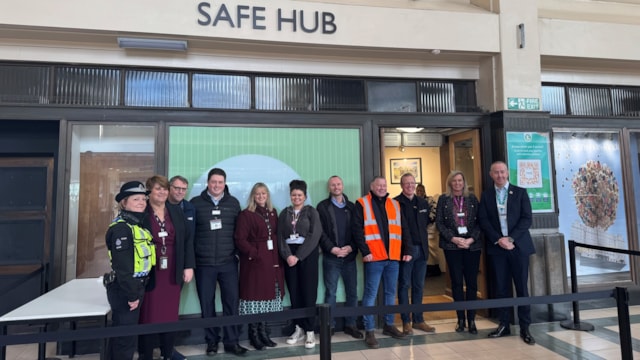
[553, 342]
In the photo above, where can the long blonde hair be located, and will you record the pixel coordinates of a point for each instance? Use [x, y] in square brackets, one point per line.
[251, 202]
[452, 174]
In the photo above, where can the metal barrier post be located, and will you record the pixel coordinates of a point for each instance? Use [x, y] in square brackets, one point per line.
[575, 324]
[624, 324]
[324, 313]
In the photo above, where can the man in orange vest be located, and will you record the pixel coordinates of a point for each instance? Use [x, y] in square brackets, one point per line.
[378, 230]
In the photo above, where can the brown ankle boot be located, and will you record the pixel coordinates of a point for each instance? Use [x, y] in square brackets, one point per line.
[370, 340]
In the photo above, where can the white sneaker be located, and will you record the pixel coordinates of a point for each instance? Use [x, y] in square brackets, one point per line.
[296, 336]
[311, 340]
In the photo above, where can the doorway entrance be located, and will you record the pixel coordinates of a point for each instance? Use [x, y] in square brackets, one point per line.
[431, 154]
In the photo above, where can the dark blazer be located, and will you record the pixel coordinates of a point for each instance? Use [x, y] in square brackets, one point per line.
[329, 237]
[518, 220]
[185, 256]
[446, 222]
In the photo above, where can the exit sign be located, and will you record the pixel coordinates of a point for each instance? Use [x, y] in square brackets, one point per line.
[517, 103]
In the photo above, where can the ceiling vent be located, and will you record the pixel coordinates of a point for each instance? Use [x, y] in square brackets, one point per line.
[392, 139]
[423, 139]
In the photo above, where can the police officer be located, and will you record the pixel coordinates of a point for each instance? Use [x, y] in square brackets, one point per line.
[132, 255]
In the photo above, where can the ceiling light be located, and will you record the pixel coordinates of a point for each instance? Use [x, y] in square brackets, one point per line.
[410, 129]
[152, 44]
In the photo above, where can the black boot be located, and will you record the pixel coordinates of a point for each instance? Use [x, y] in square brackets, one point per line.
[254, 338]
[263, 334]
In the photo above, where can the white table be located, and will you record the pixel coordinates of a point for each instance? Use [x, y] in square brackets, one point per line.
[75, 300]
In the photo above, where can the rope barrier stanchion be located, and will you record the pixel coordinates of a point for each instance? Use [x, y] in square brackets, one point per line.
[324, 313]
[575, 324]
[624, 325]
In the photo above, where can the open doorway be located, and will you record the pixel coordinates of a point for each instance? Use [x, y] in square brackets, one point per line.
[430, 154]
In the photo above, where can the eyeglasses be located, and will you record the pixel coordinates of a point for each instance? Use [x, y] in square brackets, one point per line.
[179, 189]
[409, 183]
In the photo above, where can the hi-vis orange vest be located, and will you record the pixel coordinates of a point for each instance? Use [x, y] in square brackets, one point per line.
[372, 231]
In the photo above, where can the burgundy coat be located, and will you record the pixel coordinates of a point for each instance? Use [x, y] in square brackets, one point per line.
[260, 267]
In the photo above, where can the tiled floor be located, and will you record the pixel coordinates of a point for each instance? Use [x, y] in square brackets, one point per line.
[553, 342]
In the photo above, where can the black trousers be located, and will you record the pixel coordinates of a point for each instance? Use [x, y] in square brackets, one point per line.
[121, 348]
[302, 282]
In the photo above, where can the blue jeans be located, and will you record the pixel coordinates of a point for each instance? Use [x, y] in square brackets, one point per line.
[412, 276]
[333, 268]
[387, 271]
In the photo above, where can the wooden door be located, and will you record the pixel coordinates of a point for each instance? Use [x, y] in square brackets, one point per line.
[26, 190]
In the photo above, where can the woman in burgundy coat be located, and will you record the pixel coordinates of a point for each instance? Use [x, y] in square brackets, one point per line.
[261, 271]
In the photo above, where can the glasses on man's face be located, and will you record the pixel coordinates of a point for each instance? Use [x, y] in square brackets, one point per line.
[178, 189]
[409, 183]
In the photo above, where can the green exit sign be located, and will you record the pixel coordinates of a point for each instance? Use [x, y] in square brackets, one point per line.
[518, 103]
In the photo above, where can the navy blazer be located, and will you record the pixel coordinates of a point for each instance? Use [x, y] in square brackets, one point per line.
[519, 218]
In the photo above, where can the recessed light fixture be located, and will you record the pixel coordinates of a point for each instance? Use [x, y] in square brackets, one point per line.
[152, 44]
[410, 129]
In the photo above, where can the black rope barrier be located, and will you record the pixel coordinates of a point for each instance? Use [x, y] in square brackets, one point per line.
[576, 324]
[190, 324]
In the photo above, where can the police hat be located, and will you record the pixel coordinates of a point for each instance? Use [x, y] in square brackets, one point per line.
[131, 188]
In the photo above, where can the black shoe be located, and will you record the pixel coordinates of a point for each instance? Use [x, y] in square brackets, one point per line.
[526, 337]
[263, 335]
[176, 356]
[502, 330]
[472, 327]
[235, 349]
[460, 325]
[254, 337]
[353, 331]
[212, 349]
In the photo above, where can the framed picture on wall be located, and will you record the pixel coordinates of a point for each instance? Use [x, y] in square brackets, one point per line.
[399, 167]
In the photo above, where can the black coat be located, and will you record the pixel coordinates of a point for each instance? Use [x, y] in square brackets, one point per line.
[417, 221]
[448, 228]
[329, 238]
[215, 247]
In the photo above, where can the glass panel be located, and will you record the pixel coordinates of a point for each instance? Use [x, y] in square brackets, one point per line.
[272, 155]
[338, 95]
[87, 86]
[391, 96]
[589, 101]
[553, 100]
[24, 84]
[437, 97]
[465, 96]
[285, 94]
[626, 102]
[221, 91]
[103, 157]
[152, 88]
[591, 203]
[635, 172]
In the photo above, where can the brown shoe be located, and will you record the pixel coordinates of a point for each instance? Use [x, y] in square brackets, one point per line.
[406, 329]
[370, 340]
[424, 327]
[392, 331]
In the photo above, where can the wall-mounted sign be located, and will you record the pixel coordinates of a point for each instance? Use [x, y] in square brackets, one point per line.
[529, 155]
[261, 17]
[518, 103]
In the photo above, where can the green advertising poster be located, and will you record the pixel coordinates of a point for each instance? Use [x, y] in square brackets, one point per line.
[529, 155]
[274, 156]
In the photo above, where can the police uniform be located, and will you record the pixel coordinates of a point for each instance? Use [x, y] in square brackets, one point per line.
[132, 255]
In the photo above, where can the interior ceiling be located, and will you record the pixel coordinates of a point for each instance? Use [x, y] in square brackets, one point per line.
[441, 131]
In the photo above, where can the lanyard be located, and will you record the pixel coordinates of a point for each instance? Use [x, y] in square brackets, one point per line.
[294, 221]
[162, 224]
[266, 220]
[458, 202]
[501, 196]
